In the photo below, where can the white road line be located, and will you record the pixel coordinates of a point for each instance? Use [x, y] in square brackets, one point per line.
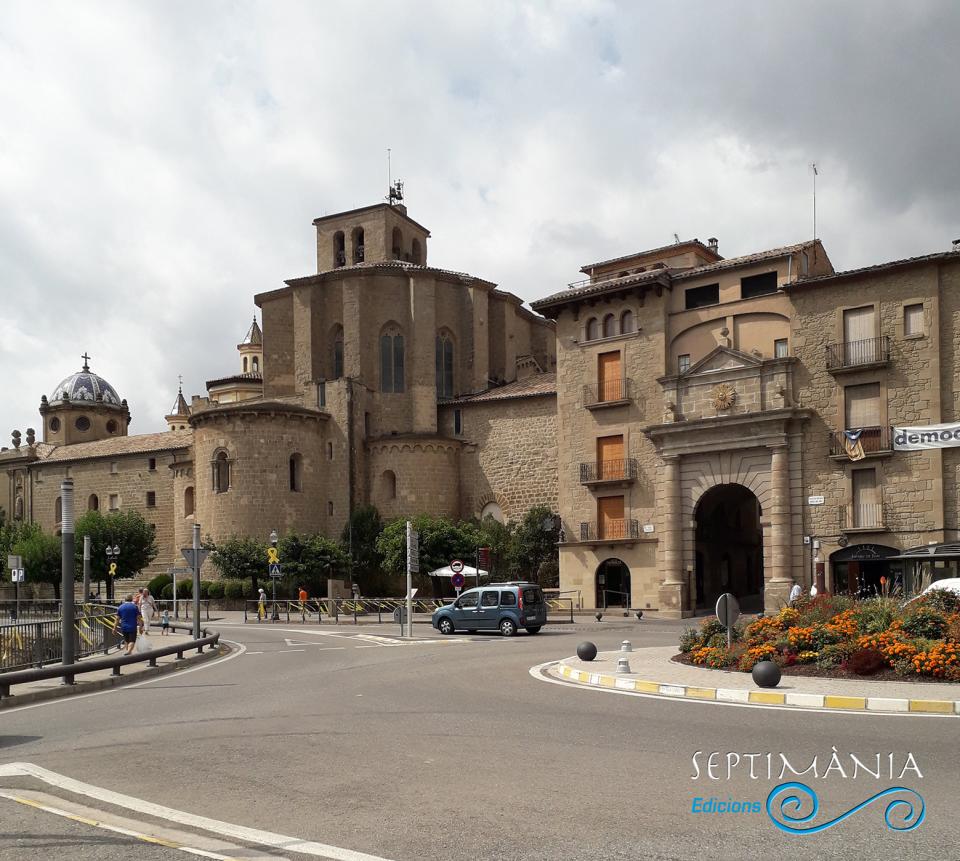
[147, 838]
[239, 649]
[191, 820]
[287, 651]
[539, 673]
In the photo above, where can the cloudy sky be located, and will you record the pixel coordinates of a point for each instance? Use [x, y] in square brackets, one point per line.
[161, 162]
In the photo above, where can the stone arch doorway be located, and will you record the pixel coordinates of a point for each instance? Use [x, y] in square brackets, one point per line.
[729, 546]
[612, 582]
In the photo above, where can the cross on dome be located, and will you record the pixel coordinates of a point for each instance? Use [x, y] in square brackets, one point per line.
[86, 361]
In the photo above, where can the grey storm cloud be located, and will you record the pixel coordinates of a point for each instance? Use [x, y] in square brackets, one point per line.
[160, 164]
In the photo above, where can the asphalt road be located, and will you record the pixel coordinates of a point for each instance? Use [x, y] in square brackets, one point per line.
[450, 749]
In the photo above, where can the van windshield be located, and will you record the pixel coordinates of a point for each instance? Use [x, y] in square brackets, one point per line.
[532, 596]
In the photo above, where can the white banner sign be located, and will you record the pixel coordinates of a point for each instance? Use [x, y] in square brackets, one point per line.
[931, 436]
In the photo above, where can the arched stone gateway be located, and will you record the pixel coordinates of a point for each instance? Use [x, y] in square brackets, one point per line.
[612, 583]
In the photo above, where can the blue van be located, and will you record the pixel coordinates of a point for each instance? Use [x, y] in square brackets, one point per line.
[503, 607]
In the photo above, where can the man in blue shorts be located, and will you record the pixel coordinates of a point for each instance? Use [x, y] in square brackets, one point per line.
[127, 616]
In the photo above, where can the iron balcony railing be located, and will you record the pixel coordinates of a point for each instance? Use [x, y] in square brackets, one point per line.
[851, 354]
[609, 391]
[603, 471]
[863, 515]
[609, 530]
[872, 439]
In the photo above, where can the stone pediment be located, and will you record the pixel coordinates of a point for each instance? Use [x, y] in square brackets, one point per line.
[722, 359]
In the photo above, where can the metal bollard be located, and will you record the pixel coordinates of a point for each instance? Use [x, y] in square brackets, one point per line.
[623, 665]
[626, 646]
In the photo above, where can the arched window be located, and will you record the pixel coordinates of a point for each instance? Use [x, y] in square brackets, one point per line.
[339, 250]
[58, 511]
[609, 326]
[491, 509]
[391, 361]
[626, 323]
[397, 242]
[221, 472]
[444, 362]
[329, 451]
[244, 364]
[357, 237]
[388, 484]
[188, 502]
[93, 502]
[336, 364]
[416, 254]
[593, 329]
[256, 364]
[296, 473]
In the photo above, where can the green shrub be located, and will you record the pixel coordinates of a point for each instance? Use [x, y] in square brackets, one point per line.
[247, 586]
[823, 636]
[718, 641]
[204, 589]
[157, 583]
[184, 589]
[215, 590]
[689, 640]
[167, 591]
[925, 622]
[835, 654]
[711, 626]
[233, 589]
[875, 615]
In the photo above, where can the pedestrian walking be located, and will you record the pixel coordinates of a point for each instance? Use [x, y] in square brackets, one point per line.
[148, 607]
[261, 604]
[303, 597]
[128, 618]
[164, 622]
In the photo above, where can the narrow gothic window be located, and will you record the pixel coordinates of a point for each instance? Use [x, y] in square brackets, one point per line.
[593, 329]
[444, 365]
[296, 473]
[391, 362]
[339, 250]
[188, 502]
[256, 364]
[397, 243]
[244, 364]
[626, 323]
[221, 473]
[609, 326]
[358, 245]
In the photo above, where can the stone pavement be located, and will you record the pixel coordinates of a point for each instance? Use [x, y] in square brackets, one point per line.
[46, 689]
[652, 672]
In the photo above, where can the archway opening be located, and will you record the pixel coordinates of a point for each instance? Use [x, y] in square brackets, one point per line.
[729, 547]
[613, 584]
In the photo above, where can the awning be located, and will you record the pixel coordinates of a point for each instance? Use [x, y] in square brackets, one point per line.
[926, 552]
[467, 572]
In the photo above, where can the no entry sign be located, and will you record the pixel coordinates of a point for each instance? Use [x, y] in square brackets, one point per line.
[456, 566]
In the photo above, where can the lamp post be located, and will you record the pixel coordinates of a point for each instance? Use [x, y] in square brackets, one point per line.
[113, 554]
[67, 566]
[273, 544]
[86, 569]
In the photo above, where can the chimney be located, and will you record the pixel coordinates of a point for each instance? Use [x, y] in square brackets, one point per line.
[712, 244]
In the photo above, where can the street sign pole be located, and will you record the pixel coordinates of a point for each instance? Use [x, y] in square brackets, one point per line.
[86, 569]
[174, 575]
[196, 581]
[67, 568]
[15, 564]
[413, 562]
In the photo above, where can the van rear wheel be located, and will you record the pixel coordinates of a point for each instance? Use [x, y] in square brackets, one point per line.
[535, 629]
[508, 627]
[445, 626]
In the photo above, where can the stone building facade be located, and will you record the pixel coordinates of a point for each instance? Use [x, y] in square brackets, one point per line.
[379, 379]
[701, 411]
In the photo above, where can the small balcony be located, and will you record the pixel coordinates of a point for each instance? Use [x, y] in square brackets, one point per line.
[610, 472]
[876, 442]
[610, 530]
[609, 393]
[857, 355]
[862, 517]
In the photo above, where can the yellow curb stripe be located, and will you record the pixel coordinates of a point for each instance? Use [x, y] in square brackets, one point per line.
[702, 693]
[767, 697]
[833, 702]
[647, 687]
[607, 681]
[937, 706]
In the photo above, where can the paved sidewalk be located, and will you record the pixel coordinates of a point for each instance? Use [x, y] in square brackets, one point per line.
[99, 679]
[652, 671]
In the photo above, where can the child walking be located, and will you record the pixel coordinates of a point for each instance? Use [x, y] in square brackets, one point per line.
[164, 622]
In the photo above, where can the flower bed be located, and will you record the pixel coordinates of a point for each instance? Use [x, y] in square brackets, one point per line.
[837, 636]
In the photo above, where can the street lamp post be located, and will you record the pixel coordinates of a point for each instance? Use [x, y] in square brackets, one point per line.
[113, 554]
[273, 544]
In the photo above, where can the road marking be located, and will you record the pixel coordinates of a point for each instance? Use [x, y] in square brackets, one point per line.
[239, 649]
[192, 820]
[318, 648]
[146, 838]
[287, 651]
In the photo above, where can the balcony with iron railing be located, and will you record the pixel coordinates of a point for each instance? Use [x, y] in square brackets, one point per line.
[610, 530]
[862, 517]
[609, 393]
[876, 441]
[849, 355]
[622, 471]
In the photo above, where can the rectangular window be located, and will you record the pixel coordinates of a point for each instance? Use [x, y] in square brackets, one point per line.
[683, 363]
[114, 502]
[508, 599]
[114, 467]
[151, 499]
[780, 348]
[152, 463]
[38, 476]
[330, 508]
[610, 517]
[609, 377]
[758, 285]
[398, 374]
[913, 320]
[860, 344]
[700, 297]
[458, 422]
[866, 499]
[321, 394]
[490, 599]
[862, 405]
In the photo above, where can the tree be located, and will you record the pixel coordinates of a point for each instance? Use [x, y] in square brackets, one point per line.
[534, 547]
[359, 541]
[127, 530]
[41, 557]
[440, 541]
[309, 560]
[240, 557]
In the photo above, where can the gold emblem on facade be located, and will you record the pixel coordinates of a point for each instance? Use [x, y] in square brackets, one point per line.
[724, 396]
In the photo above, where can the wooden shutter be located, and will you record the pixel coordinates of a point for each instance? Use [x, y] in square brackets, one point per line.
[609, 376]
[913, 320]
[866, 508]
[610, 517]
[610, 457]
[858, 324]
[862, 405]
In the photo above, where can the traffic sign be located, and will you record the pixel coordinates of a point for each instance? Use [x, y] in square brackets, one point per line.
[728, 610]
[456, 566]
[275, 569]
[17, 575]
[413, 550]
[202, 554]
[14, 562]
[457, 580]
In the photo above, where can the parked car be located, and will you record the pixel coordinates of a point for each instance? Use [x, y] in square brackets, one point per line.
[497, 606]
[948, 584]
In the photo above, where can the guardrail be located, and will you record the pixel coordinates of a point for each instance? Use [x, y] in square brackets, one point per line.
[29, 609]
[33, 644]
[69, 672]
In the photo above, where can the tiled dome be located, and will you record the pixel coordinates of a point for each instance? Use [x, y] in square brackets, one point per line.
[86, 386]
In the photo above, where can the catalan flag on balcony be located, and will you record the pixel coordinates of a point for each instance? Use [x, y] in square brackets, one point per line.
[852, 444]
